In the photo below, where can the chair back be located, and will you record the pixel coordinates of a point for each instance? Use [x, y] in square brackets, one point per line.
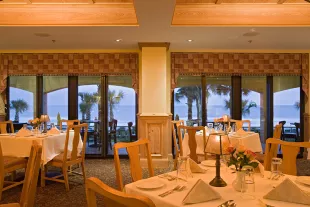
[290, 151]
[113, 197]
[132, 136]
[31, 178]
[192, 144]
[248, 122]
[72, 143]
[69, 122]
[282, 131]
[239, 124]
[277, 131]
[133, 150]
[177, 140]
[297, 126]
[4, 127]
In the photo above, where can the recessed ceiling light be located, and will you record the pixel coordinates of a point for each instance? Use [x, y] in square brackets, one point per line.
[118, 40]
[189, 40]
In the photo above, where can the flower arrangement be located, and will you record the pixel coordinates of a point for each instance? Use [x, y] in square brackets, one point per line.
[240, 157]
[35, 122]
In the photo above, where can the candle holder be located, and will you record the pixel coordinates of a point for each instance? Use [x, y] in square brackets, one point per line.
[44, 119]
[215, 144]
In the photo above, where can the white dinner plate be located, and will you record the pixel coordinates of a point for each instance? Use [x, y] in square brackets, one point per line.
[209, 163]
[303, 180]
[149, 184]
[4, 134]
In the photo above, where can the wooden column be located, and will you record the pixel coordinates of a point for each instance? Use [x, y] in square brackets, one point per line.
[73, 97]
[154, 118]
[236, 98]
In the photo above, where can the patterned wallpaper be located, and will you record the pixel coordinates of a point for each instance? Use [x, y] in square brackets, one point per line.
[240, 64]
[69, 64]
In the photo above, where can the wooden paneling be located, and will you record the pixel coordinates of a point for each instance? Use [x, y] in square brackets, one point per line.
[66, 15]
[242, 14]
[158, 130]
[239, 1]
[67, 1]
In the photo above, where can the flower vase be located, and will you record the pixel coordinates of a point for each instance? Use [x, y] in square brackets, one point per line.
[238, 182]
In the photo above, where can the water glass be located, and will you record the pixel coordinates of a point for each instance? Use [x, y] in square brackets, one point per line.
[276, 166]
[181, 169]
[24, 126]
[248, 183]
[52, 125]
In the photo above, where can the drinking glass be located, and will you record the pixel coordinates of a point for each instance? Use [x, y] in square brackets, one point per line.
[248, 183]
[52, 125]
[181, 169]
[276, 165]
[25, 126]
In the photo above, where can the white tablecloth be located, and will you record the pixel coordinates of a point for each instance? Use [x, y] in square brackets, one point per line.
[52, 145]
[263, 186]
[250, 141]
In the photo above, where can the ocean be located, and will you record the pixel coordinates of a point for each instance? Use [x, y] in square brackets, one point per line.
[127, 113]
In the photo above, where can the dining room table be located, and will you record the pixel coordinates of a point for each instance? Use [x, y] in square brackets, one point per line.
[52, 144]
[250, 140]
[263, 185]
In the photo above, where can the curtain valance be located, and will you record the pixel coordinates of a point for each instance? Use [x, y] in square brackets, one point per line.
[240, 64]
[69, 64]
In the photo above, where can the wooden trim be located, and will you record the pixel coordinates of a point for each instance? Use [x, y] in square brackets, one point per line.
[39, 99]
[203, 101]
[269, 104]
[68, 15]
[236, 97]
[281, 1]
[154, 44]
[218, 1]
[243, 15]
[73, 97]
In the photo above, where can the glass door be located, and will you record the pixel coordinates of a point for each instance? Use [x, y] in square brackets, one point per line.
[90, 112]
[121, 105]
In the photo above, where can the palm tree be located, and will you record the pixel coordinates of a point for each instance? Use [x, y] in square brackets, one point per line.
[88, 101]
[113, 100]
[20, 106]
[297, 105]
[192, 94]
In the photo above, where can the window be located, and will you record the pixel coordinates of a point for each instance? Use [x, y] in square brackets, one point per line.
[218, 98]
[286, 99]
[22, 98]
[55, 97]
[254, 103]
[121, 111]
[187, 100]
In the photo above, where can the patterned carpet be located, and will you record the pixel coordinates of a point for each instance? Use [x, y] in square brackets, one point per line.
[54, 194]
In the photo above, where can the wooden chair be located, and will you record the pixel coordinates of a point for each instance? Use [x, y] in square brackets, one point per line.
[10, 165]
[69, 122]
[239, 124]
[112, 197]
[132, 136]
[27, 198]
[68, 158]
[178, 148]
[290, 151]
[192, 144]
[133, 149]
[276, 135]
[4, 127]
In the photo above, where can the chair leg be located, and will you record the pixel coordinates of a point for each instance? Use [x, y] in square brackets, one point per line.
[175, 163]
[66, 178]
[13, 175]
[1, 186]
[83, 170]
[43, 171]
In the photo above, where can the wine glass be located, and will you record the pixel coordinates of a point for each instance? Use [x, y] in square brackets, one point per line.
[181, 169]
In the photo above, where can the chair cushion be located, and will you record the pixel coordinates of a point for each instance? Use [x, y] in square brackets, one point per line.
[60, 157]
[12, 161]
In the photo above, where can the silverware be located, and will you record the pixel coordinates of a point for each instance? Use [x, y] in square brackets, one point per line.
[169, 191]
[264, 204]
[226, 203]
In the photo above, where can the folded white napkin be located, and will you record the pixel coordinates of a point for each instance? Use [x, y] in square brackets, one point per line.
[53, 130]
[241, 132]
[201, 192]
[192, 167]
[288, 191]
[23, 133]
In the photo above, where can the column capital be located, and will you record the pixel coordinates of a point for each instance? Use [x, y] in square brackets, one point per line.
[154, 44]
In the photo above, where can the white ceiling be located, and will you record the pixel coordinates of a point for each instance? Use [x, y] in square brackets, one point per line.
[154, 17]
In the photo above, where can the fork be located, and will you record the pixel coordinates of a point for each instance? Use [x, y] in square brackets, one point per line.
[169, 191]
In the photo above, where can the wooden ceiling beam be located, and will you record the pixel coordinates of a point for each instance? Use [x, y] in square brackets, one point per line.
[241, 15]
[281, 1]
[218, 1]
[68, 15]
